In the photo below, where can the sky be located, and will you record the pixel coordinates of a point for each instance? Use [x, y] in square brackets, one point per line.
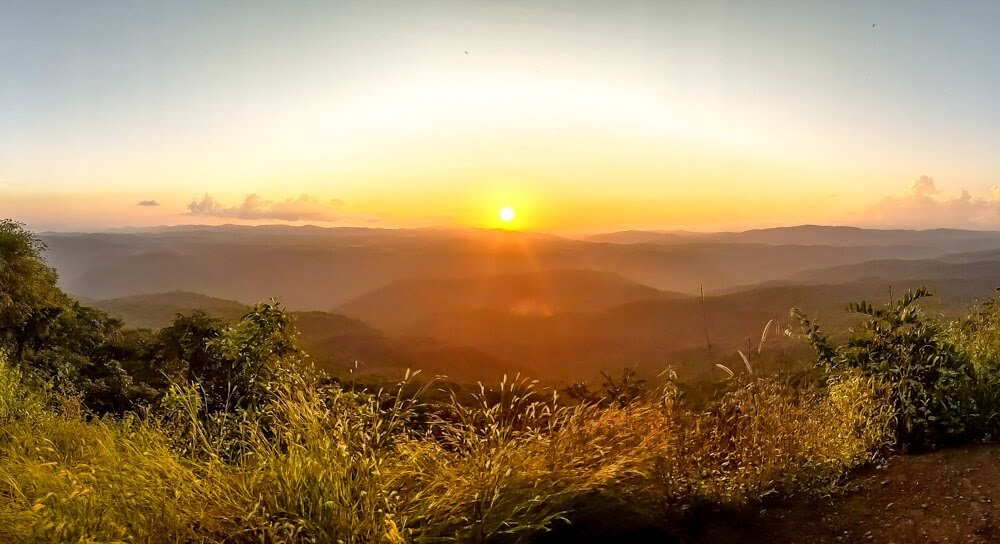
[580, 116]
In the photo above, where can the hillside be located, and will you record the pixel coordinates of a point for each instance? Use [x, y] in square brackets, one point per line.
[541, 294]
[944, 239]
[158, 310]
[984, 268]
[340, 344]
[471, 302]
[653, 333]
[335, 343]
[449, 327]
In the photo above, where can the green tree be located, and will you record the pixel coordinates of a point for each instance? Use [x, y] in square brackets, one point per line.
[30, 300]
[259, 351]
[87, 352]
[185, 350]
[236, 366]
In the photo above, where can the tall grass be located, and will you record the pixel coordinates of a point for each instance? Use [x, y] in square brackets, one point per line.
[978, 336]
[328, 465]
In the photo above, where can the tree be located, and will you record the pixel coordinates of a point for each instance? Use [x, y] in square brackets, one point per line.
[84, 351]
[185, 351]
[30, 300]
[236, 366]
[87, 352]
[259, 350]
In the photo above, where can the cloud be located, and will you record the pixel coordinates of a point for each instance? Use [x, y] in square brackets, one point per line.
[147, 203]
[925, 206]
[303, 208]
[923, 187]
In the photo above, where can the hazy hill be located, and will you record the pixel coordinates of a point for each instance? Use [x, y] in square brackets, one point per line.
[473, 343]
[159, 309]
[343, 345]
[653, 333]
[335, 343]
[312, 268]
[475, 303]
[946, 239]
[647, 237]
[539, 294]
[936, 270]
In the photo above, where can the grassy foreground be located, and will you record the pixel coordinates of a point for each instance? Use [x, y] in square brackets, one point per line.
[327, 465]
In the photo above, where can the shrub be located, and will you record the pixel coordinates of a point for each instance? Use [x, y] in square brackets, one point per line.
[621, 391]
[929, 377]
[978, 336]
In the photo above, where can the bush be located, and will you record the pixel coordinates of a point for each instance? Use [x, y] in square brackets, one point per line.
[978, 336]
[930, 379]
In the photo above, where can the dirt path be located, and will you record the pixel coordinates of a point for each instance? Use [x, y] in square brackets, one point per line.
[948, 496]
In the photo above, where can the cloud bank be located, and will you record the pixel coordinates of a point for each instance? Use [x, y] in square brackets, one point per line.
[303, 208]
[147, 203]
[924, 206]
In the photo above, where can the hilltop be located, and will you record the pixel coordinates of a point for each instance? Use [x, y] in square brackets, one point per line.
[157, 310]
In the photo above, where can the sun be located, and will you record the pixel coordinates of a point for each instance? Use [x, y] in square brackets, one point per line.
[507, 214]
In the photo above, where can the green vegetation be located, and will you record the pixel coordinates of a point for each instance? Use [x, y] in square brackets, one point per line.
[930, 379]
[321, 464]
[211, 431]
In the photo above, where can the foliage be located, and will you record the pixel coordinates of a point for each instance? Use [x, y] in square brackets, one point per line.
[81, 350]
[29, 298]
[930, 378]
[78, 350]
[255, 353]
[978, 336]
[88, 353]
[236, 366]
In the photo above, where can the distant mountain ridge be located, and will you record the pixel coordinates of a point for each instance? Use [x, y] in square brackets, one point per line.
[482, 302]
[812, 235]
[312, 268]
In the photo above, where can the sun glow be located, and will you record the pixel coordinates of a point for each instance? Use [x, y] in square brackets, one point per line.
[507, 214]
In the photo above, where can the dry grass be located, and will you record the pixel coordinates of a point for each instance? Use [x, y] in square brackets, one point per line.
[334, 466]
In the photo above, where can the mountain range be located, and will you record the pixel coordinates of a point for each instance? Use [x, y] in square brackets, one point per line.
[477, 303]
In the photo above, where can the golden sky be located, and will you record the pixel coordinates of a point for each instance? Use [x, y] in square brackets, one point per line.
[582, 116]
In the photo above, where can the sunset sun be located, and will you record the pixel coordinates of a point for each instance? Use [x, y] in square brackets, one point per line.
[507, 214]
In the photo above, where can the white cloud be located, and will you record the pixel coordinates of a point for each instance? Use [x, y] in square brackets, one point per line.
[925, 206]
[253, 207]
[923, 187]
